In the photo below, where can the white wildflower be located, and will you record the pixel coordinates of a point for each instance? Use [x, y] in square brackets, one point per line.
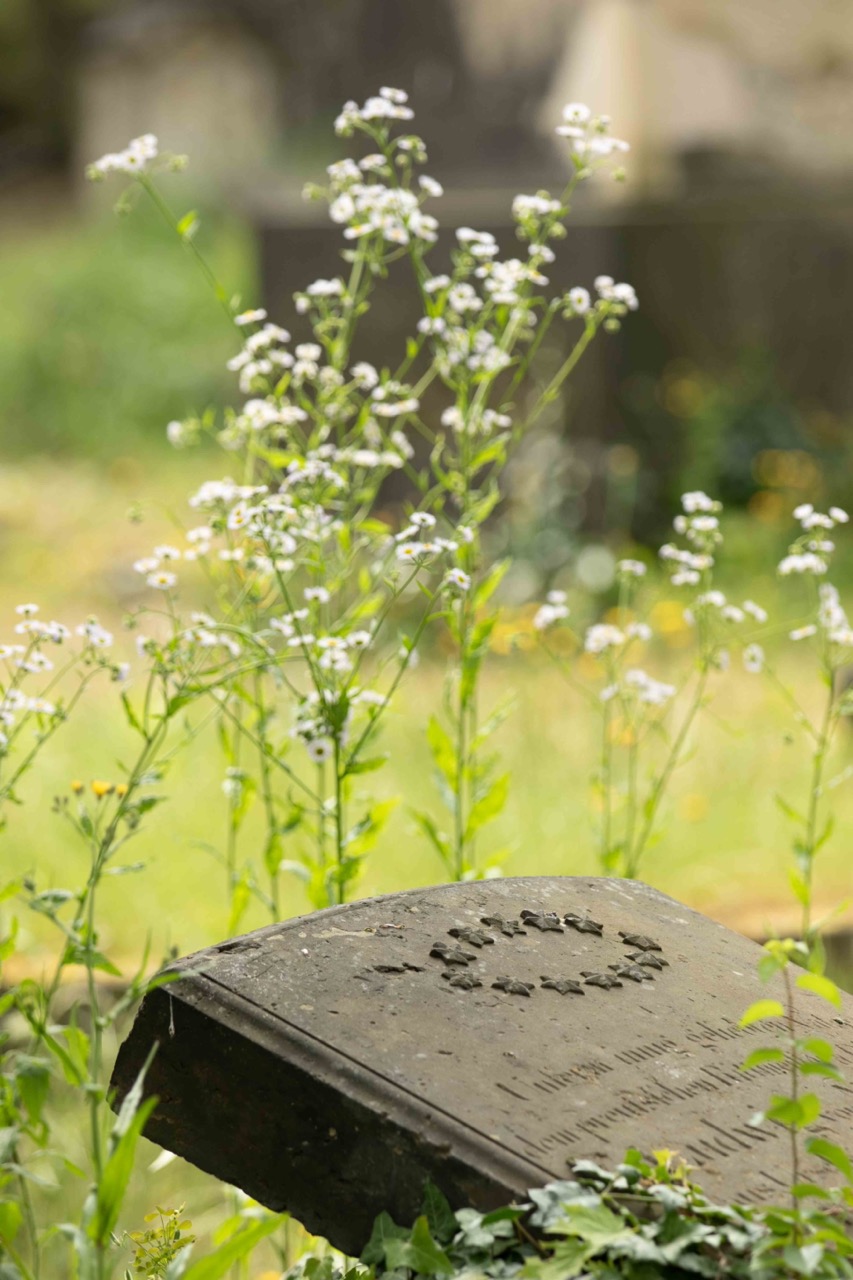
[603, 636]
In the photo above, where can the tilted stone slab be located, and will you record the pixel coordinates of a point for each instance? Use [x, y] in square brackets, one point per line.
[480, 1035]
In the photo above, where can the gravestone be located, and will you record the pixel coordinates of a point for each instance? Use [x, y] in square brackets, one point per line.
[479, 1035]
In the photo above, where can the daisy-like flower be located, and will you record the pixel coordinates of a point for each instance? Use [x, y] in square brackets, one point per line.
[411, 550]
[27, 610]
[320, 749]
[579, 300]
[603, 636]
[753, 658]
[755, 611]
[255, 316]
[802, 633]
[631, 568]
[320, 594]
[547, 614]
[162, 580]
[457, 578]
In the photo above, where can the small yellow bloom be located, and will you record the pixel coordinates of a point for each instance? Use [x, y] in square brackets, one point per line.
[121, 789]
[102, 789]
[76, 786]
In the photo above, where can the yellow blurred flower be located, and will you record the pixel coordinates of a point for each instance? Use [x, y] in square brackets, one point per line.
[102, 789]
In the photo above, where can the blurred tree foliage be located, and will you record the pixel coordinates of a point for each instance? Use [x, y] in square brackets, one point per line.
[39, 43]
[107, 333]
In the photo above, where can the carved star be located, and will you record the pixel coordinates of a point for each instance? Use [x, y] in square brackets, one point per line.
[648, 960]
[565, 986]
[640, 941]
[547, 921]
[583, 924]
[633, 971]
[513, 987]
[605, 980]
[450, 955]
[508, 927]
[474, 937]
[467, 981]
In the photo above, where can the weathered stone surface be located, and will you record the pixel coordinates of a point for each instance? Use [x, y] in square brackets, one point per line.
[330, 1064]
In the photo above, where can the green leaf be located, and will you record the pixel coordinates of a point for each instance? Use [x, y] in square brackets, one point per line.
[112, 1186]
[272, 853]
[130, 714]
[366, 766]
[10, 1220]
[33, 1080]
[420, 1252]
[760, 1010]
[595, 1224]
[788, 810]
[188, 225]
[440, 1216]
[568, 1260]
[442, 749]
[799, 887]
[820, 986]
[488, 806]
[428, 826]
[241, 896]
[820, 1069]
[77, 1046]
[758, 1057]
[795, 1113]
[833, 1154]
[821, 1049]
[491, 582]
[385, 1231]
[239, 1246]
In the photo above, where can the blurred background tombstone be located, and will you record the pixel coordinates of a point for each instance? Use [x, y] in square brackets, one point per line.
[735, 225]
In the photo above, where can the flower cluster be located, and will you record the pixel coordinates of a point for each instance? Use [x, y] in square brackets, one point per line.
[639, 686]
[136, 157]
[699, 524]
[811, 553]
[34, 655]
[553, 610]
[590, 142]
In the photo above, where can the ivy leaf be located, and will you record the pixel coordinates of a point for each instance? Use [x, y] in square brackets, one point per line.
[420, 1252]
[439, 1215]
[385, 1232]
[595, 1224]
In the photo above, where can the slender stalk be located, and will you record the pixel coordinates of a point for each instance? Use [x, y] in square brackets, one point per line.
[189, 242]
[340, 828]
[824, 740]
[794, 1074]
[634, 856]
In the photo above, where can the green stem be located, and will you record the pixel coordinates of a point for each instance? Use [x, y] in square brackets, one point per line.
[189, 242]
[340, 830]
[794, 1075]
[824, 739]
[634, 856]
